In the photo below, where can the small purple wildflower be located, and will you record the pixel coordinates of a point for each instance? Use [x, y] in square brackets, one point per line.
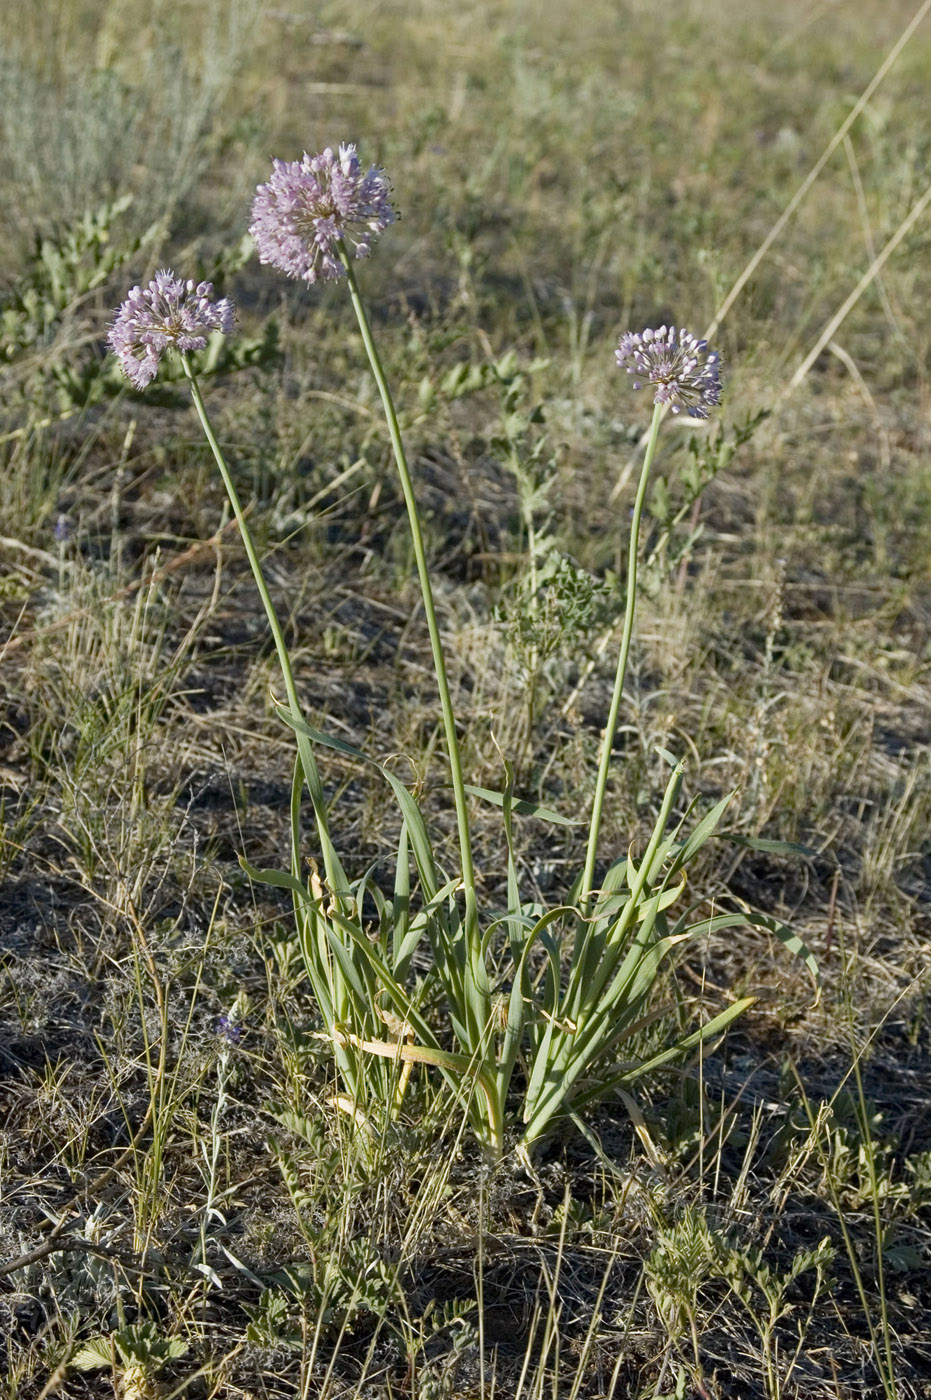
[683, 369]
[62, 530]
[227, 1027]
[166, 313]
[309, 205]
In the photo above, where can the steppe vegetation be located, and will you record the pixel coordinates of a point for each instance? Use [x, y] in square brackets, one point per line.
[190, 1204]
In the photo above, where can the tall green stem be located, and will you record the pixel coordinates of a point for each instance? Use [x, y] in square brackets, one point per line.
[611, 727]
[439, 664]
[284, 659]
[308, 763]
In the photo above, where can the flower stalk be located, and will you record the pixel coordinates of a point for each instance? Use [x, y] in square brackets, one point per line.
[607, 743]
[307, 760]
[426, 590]
[684, 373]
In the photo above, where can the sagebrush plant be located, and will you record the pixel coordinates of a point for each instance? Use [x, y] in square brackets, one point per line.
[556, 991]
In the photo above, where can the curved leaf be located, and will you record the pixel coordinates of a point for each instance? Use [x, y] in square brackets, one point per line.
[763, 843]
[417, 831]
[524, 805]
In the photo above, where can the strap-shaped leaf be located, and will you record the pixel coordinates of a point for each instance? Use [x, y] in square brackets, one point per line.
[553, 1102]
[604, 1014]
[417, 831]
[539, 1070]
[524, 805]
[763, 843]
[791, 940]
[520, 991]
[513, 1035]
[666, 756]
[278, 879]
[471, 1066]
[422, 922]
[787, 936]
[689, 1042]
[615, 878]
[451, 1063]
[401, 953]
[587, 986]
[701, 833]
[353, 973]
[307, 766]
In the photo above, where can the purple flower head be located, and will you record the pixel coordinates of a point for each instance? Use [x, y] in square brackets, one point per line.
[166, 313]
[309, 205]
[683, 369]
[228, 1027]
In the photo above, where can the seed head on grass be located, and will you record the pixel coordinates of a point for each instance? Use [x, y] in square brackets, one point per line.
[683, 369]
[309, 205]
[167, 314]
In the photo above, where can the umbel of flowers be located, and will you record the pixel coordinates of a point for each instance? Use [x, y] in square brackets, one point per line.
[167, 314]
[564, 1026]
[311, 206]
[679, 365]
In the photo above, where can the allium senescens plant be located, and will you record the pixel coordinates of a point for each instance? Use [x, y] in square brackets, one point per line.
[555, 991]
